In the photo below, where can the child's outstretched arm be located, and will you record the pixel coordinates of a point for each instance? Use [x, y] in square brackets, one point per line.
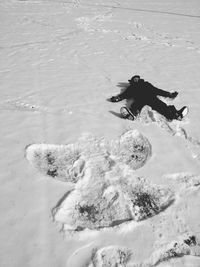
[164, 93]
[120, 97]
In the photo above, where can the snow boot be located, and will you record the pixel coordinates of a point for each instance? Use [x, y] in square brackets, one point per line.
[182, 113]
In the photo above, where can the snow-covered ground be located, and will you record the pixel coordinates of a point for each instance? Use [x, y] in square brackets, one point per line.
[60, 60]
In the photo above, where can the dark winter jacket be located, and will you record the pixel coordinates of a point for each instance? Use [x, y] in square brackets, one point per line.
[142, 91]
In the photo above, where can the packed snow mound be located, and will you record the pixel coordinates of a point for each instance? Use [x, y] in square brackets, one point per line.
[132, 149]
[61, 162]
[174, 128]
[147, 115]
[67, 162]
[104, 201]
[187, 244]
[110, 256]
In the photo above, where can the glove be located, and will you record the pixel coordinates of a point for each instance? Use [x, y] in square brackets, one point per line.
[114, 99]
[173, 94]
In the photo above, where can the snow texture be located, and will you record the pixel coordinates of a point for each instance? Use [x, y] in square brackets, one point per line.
[184, 180]
[111, 256]
[184, 245]
[60, 162]
[59, 62]
[174, 128]
[67, 162]
[97, 202]
[133, 149]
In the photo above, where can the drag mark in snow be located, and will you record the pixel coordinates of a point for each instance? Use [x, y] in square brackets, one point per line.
[194, 146]
[191, 143]
[19, 105]
[57, 40]
[183, 183]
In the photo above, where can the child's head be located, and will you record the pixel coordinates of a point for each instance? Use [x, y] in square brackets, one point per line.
[134, 79]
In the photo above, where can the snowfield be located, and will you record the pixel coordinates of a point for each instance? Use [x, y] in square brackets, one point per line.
[80, 186]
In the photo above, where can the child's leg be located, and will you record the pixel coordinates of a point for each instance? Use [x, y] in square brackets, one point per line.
[170, 112]
[129, 102]
[136, 108]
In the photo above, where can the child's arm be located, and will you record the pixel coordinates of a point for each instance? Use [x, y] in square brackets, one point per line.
[119, 97]
[164, 93]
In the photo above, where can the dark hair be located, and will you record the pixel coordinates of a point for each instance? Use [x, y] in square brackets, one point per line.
[132, 79]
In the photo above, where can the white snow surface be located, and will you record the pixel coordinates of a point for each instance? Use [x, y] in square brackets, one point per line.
[59, 61]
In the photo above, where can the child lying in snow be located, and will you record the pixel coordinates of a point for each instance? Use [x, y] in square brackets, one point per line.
[143, 93]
